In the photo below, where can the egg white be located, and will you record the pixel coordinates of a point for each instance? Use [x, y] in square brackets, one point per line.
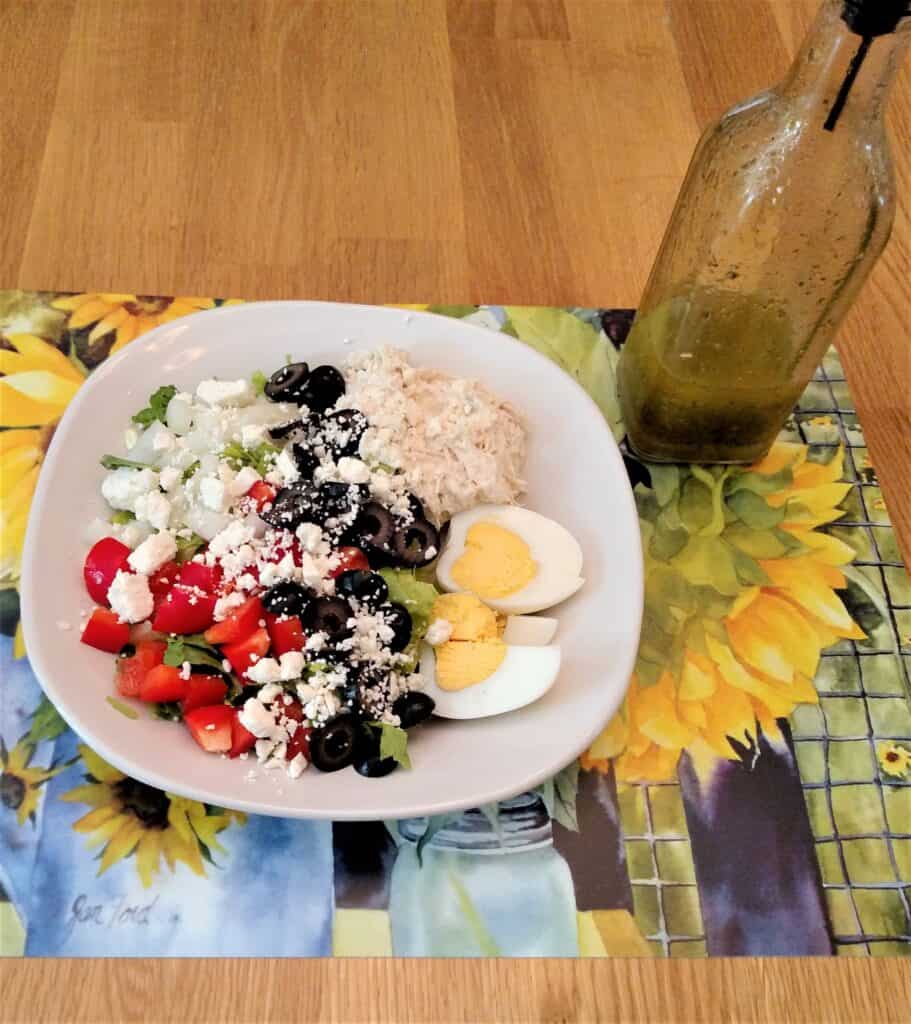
[529, 630]
[554, 549]
[525, 675]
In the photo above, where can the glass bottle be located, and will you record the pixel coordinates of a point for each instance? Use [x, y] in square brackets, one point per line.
[481, 891]
[787, 203]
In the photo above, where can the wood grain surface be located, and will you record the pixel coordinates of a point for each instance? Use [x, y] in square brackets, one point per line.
[384, 151]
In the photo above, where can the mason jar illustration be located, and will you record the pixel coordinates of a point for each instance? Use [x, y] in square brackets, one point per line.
[482, 887]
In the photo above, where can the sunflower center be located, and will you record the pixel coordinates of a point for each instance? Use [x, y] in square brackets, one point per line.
[149, 805]
[12, 791]
[148, 305]
[891, 756]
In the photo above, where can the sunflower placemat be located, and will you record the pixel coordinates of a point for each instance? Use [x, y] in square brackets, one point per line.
[753, 796]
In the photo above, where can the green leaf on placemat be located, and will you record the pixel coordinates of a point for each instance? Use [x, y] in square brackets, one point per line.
[576, 346]
[457, 312]
[46, 723]
[559, 796]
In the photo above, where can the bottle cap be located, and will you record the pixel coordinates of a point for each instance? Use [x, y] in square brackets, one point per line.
[874, 17]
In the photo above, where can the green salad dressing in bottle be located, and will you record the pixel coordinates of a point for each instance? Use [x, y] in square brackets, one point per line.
[787, 203]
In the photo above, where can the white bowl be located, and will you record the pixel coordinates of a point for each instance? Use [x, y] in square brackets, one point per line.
[575, 475]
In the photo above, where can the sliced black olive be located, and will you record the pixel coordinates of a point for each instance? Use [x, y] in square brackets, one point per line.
[398, 618]
[290, 507]
[416, 544]
[287, 384]
[332, 746]
[367, 760]
[369, 588]
[335, 499]
[416, 506]
[322, 389]
[342, 431]
[286, 598]
[305, 459]
[374, 529]
[413, 708]
[284, 429]
[328, 615]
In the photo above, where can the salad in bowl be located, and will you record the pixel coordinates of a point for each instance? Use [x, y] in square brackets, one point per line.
[303, 567]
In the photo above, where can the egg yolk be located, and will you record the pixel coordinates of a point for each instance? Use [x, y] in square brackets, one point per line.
[462, 663]
[470, 618]
[474, 650]
[495, 563]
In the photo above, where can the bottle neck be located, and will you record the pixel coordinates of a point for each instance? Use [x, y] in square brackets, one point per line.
[842, 79]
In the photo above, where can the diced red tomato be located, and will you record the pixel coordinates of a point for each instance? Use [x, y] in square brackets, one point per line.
[240, 623]
[294, 710]
[239, 653]
[106, 632]
[161, 581]
[204, 690]
[242, 739]
[349, 559]
[184, 610]
[162, 684]
[131, 671]
[286, 633]
[211, 727]
[197, 574]
[107, 557]
[299, 743]
[262, 493]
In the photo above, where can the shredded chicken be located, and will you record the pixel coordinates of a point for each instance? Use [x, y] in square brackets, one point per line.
[456, 442]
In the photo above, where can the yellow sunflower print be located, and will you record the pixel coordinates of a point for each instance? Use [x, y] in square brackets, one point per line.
[894, 759]
[38, 383]
[130, 316]
[129, 818]
[20, 782]
[754, 661]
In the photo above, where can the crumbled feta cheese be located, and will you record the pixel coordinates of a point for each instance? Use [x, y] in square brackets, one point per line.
[232, 536]
[224, 605]
[121, 488]
[225, 392]
[212, 493]
[129, 596]
[438, 632]
[153, 552]
[296, 766]
[154, 508]
[185, 669]
[310, 537]
[244, 480]
[291, 665]
[353, 471]
[130, 437]
[252, 434]
[286, 467]
[316, 641]
[323, 706]
[268, 693]
[266, 670]
[255, 717]
[169, 478]
[163, 441]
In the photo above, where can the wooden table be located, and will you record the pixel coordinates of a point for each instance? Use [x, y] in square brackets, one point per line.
[376, 151]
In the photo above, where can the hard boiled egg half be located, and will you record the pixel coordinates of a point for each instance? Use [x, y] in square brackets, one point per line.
[515, 560]
[488, 664]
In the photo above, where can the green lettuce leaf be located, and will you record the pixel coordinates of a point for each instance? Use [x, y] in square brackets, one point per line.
[418, 597]
[158, 406]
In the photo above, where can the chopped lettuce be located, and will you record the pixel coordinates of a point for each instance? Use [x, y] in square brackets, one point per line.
[258, 380]
[261, 458]
[157, 409]
[418, 597]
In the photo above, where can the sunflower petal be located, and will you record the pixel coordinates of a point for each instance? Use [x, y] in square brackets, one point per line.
[95, 794]
[15, 464]
[148, 855]
[70, 302]
[115, 298]
[12, 439]
[108, 323]
[42, 355]
[87, 314]
[18, 410]
[655, 765]
[43, 386]
[612, 739]
[179, 820]
[104, 832]
[779, 456]
[98, 767]
[126, 332]
[94, 819]
[121, 845]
